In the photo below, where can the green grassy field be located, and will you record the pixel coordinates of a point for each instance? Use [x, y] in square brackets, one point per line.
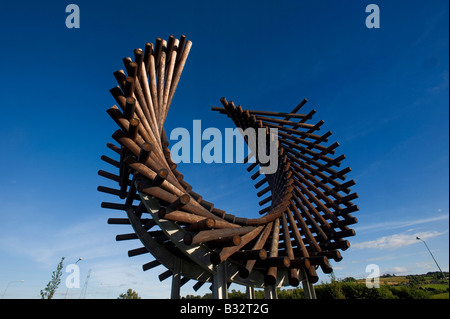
[429, 285]
[391, 287]
[440, 296]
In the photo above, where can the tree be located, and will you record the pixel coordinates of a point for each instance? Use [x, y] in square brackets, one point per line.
[130, 294]
[49, 291]
[415, 280]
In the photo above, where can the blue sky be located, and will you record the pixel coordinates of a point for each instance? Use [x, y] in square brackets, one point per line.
[382, 92]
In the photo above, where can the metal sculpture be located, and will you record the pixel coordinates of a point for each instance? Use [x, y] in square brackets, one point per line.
[307, 201]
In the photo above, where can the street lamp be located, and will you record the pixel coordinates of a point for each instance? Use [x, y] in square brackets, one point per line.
[418, 238]
[4, 292]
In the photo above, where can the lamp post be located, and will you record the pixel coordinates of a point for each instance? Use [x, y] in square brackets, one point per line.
[4, 292]
[67, 290]
[418, 238]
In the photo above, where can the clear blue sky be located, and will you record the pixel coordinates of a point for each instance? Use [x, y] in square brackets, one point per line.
[382, 92]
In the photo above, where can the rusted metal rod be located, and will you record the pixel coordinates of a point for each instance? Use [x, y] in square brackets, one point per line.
[210, 235]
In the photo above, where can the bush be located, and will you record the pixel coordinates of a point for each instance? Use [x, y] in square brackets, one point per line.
[291, 294]
[347, 289]
[361, 291]
[332, 290]
[235, 294]
[405, 292]
[352, 290]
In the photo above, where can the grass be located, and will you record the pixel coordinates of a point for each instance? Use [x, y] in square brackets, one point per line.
[398, 280]
[392, 287]
[426, 288]
[444, 295]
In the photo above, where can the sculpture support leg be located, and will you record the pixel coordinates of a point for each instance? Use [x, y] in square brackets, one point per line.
[176, 279]
[250, 292]
[220, 289]
[270, 292]
[308, 288]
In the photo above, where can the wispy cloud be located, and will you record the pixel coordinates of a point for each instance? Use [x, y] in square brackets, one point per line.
[400, 224]
[442, 85]
[45, 246]
[396, 240]
[113, 272]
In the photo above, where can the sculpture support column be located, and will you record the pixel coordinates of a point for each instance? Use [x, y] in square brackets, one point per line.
[220, 289]
[176, 279]
[270, 292]
[308, 288]
[250, 292]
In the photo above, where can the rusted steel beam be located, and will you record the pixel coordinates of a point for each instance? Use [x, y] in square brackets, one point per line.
[298, 238]
[293, 274]
[304, 227]
[271, 276]
[150, 265]
[210, 235]
[257, 254]
[222, 110]
[245, 271]
[226, 252]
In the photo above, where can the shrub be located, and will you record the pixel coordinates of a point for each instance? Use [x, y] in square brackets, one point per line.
[361, 291]
[405, 292]
[332, 290]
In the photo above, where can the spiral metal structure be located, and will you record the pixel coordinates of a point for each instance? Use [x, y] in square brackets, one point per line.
[306, 203]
